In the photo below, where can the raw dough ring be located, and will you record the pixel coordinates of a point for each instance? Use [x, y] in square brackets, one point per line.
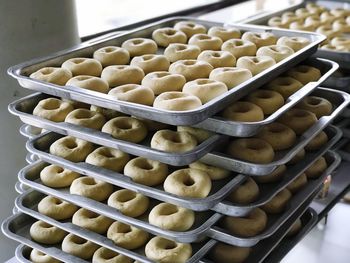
[268, 100]
[190, 28]
[298, 157]
[53, 109]
[167, 35]
[164, 250]
[89, 83]
[126, 129]
[128, 202]
[255, 64]
[252, 150]
[276, 52]
[225, 33]
[56, 177]
[298, 120]
[273, 177]
[295, 43]
[112, 55]
[133, 93]
[37, 256]
[175, 52]
[318, 105]
[205, 42]
[251, 225]
[278, 135]
[245, 193]
[176, 101]
[285, 86]
[145, 171]
[218, 58]
[45, 233]
[173, 141]
[243, 111]
[109, 158]
[230, 76]
[91, 188]
[54, 75]
[215, 173]
[118, 75]
[239, 47]
[86, 118]
[191, 69]
[278, 203]
[91, 221]
[140, 46]
[83, 66]
[225, 253]
[163, 81]
[79, 247]
[260, 39]
[297, 183]
[127, 236]
[151, 62]
[71, 148]
[56, 208]
[171, 217]
[104, 255]
[198, 133]
[317, 142]
[188, 183]
[316, 169]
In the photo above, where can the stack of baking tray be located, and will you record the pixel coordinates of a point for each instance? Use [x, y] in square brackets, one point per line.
[207, 230]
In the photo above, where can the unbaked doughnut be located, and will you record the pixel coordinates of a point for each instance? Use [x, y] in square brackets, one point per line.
[56, 208]
[53, 109]
[140, 46]
[297, 183]
[205, 42]
[314, 21]
[215, 173]
[304, 73]
[278, 203]
[268, 100]
[285, 86]
[56, 177]
[302, 12]
[328, 31]
[300, 25]
[316, 169]
[89, 83]
[252, 150]
[278, 135]
[248, 226]
[71, 148]
[245, 193]
[276, 52]
[104, 255]
[45, 233]
[205, 89]
[171, 217]
[127, 236]
[327, 17]
[153, 125]
[295, 43]
[176, 101]
[58, 76]
[122, 74]
[37, 256]
[317, 142]
[86, 118]
[151, 62]
[318, 105]
[230, 76]
[79, 247]
[83, 66]
[239, 47]
[112, 55]
[260, 39]
[145, 171]
[190, 28]
[91, 221]
[297, 225]
[279, 22]
[225, 253]
[164, 250]
[109, 158]
[273, 177]
[218, 58]
[126, 129]
[129, 203]
[335, 48]
[255, 64]
[133, 93]
[175, 52]
[341, 25]
[315, 8]
[191, 69]
[298, 120]
[163, 81]
[297, 157]
[290, 17]
[243, 111]
[188, 183]
[200, 134]
[91, 188]
[225, 33]
[173, 141]
[340, 12]
[167, 35]
[341, 41]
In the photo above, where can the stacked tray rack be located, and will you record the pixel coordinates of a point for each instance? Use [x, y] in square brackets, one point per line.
[207, 230]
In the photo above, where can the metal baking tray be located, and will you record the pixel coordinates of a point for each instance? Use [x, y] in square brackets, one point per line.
[22, 253]
[246, 129]
[275, 221]
[17, 227]
[29, 131]
[268, 191]
[345, 127]
[220, 188]
[28, 202]
[343, 58]
[31, 158]
[20, 188]
[24, 108]
[339, 99]
[22, 71]
[339, 80]
[340, 149]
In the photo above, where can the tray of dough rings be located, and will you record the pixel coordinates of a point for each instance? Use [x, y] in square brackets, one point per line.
[256, 156]
[168, 144]
[339, 80]
[262, 189]
[211, 227]
[295, 227]
[329, 18]
[29, 109]
[272, 106]
[29, 131]
[183, 105]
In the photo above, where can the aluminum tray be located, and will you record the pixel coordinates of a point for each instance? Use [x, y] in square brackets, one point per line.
[339, 99]
[17, 227]
[30, 178]
[29, 131]
[22, 71]
[246, 129]
[340, 80]
[31, 158]
[343, 58]
[24, 108]
[20, 188]
[28, 202]
[268, 191]
[22, 253]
